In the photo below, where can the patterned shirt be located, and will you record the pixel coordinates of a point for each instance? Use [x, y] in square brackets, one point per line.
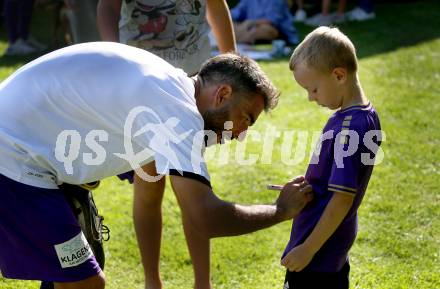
[175, 30]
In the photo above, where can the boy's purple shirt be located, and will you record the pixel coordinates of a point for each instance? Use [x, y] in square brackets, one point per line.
[326, 176]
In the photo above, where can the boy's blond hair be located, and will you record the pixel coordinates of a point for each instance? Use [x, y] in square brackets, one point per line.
[324, 49]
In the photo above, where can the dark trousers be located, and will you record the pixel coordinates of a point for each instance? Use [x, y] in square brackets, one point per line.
[366, 5]
[318, 280]
[17, 14]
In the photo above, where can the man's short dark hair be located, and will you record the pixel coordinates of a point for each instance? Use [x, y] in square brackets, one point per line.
[243, 74]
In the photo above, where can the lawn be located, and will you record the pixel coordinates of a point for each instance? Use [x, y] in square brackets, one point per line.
[398, 244]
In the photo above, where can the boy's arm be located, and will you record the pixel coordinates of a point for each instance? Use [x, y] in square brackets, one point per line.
[300, 256]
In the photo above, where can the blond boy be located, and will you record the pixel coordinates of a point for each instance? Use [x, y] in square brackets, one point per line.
[325, 65]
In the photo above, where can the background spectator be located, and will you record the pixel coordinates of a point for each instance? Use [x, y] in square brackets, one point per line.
[300, 13]
[17, 15]
[256, 20]
[82, 19]
[325, 18]
[364, 11]
[175, 30]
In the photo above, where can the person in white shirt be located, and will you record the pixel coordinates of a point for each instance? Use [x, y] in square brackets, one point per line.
[94, 110]
[177, 31]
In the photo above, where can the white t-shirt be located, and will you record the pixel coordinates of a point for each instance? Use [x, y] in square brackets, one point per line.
[66, 117]
[175, 30]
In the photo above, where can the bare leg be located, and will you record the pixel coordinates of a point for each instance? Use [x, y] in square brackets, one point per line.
[242, 29]
[264, 31]
[249, 32]
[326, 7]
[341, 6]
[147, 215]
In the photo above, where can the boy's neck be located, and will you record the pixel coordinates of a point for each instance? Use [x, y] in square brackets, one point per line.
[354, 93]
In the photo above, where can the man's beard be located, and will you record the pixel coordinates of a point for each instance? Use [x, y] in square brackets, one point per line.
[215, 121]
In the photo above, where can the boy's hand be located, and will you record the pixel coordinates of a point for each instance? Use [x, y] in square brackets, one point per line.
[293, 197]
[297, 259]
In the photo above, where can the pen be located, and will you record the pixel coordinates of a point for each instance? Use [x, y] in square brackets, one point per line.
[275, 187]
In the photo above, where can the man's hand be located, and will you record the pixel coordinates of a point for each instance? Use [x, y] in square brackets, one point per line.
[293, 198]
[297, 259]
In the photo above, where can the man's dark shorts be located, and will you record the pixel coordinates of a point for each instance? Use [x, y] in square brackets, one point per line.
[40, 239]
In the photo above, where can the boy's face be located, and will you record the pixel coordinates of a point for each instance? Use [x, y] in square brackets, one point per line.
[321, 87]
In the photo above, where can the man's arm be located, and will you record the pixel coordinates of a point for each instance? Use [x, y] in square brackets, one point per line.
[108, 15]
[219, 18]
[213, 217]
[147, 215]
[300, 256]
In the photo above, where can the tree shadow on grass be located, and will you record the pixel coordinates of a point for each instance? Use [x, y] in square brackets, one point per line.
[396, 25]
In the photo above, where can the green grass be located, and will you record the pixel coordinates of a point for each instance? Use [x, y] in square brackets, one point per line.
[398, 245]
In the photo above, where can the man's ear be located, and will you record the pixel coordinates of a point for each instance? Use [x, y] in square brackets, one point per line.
[340, 74]
[222, 94]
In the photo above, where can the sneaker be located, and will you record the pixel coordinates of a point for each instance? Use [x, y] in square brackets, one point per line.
[84, 209]
[319, 20]
[338, 17]
[34, 43]
[358, 14]
[20, 47]
[300, 15]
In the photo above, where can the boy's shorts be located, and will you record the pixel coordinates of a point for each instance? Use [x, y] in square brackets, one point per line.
[318, 280]
[40, 238]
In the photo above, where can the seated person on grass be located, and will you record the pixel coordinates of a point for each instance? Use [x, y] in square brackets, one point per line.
[263, 20]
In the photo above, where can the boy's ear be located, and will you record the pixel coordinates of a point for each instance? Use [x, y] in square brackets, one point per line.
[222, 94]
[340, 74]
